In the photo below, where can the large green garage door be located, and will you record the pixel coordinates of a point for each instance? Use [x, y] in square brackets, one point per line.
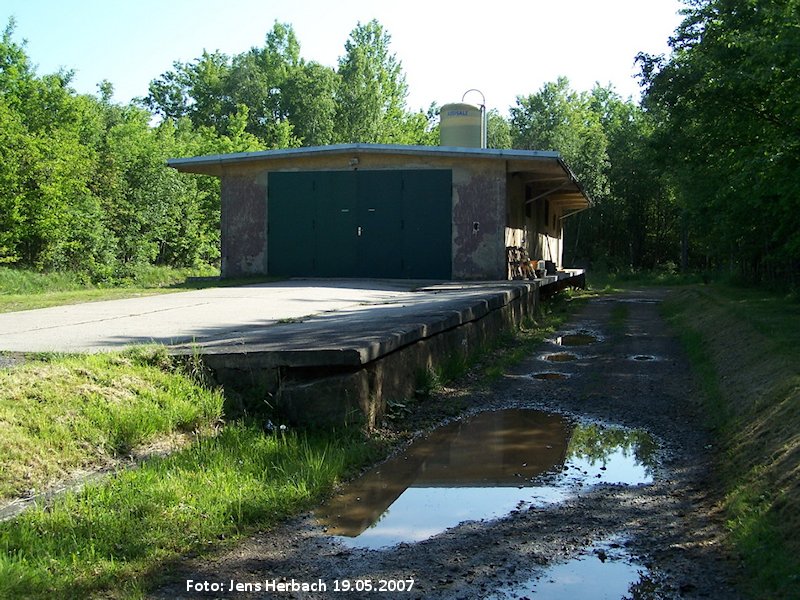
[360, 224]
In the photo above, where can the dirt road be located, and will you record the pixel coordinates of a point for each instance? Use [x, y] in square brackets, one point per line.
[668, 532]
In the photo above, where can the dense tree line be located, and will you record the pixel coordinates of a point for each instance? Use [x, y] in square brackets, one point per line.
[702, 173]
[291, 102]
[83, 181]
[607, 142]
[705, 171]
[727, 108]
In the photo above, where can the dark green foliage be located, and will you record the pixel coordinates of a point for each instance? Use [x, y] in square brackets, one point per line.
[84, 185]
[607, 142]
[729, 131]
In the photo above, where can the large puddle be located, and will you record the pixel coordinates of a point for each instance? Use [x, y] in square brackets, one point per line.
[604, 571]
[483, 468]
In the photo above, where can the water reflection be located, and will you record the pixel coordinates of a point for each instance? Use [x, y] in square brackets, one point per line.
[560, 357]
[482, 468]
[604, 571]
[578, 338]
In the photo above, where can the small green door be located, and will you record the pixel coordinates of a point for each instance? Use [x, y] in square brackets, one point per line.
[380, 234]
[337, 224]
[427, 224]
[290, 225]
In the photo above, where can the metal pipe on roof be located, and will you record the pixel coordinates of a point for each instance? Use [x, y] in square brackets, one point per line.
[484, 118]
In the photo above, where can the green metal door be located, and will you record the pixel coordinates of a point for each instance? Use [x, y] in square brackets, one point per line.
[335, 239]
[427, 247]
[380, 211]
[290, 224]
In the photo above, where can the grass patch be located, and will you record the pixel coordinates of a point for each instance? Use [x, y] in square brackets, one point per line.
[620, 280]
[115, 537]
[744, 347]
[25, 290]
[59, 414]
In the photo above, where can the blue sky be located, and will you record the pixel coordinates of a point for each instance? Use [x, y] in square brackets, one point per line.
[503, 48]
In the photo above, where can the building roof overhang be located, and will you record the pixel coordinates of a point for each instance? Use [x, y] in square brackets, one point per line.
[546, 171]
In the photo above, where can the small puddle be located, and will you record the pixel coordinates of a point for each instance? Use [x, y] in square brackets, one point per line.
[549, 376]
[606, 570]
[560, 357]
[579, 338]
[483, 467]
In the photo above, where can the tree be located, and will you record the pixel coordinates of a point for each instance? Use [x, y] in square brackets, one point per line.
[498, 130]
[84, 184]
[609, 144]
[371, 95]
[730, 132]
[309, 96]
[557, 118]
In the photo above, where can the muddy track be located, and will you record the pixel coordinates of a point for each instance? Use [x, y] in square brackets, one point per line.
[635, 376]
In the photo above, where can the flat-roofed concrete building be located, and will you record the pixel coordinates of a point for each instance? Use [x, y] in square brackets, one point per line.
[383, 211]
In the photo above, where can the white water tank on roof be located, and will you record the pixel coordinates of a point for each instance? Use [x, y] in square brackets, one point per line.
[460, 125]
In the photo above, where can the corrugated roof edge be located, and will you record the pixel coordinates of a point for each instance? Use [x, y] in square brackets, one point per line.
[374, 148]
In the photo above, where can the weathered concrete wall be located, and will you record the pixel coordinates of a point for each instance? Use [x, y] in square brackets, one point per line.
[321, 388]
[478, 209]
[361, 395]
[479, 220]
[244, 224]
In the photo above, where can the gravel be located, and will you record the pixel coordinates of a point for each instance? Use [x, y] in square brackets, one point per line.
[672, 528]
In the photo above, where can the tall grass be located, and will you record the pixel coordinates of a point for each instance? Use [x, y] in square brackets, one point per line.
[668, 275]
[117, 535]
[25, 281]
[19, 281]
[744, 348]
[62, 413]
[25, 290]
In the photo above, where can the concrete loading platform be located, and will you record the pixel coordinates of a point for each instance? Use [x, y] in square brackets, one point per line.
[345, 365]
[328, 350]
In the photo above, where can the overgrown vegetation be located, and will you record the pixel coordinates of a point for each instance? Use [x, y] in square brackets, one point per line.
[725, 107]
[506, 349]
[744, 346]
[62, 414]
[116, 536]
[59, 414]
